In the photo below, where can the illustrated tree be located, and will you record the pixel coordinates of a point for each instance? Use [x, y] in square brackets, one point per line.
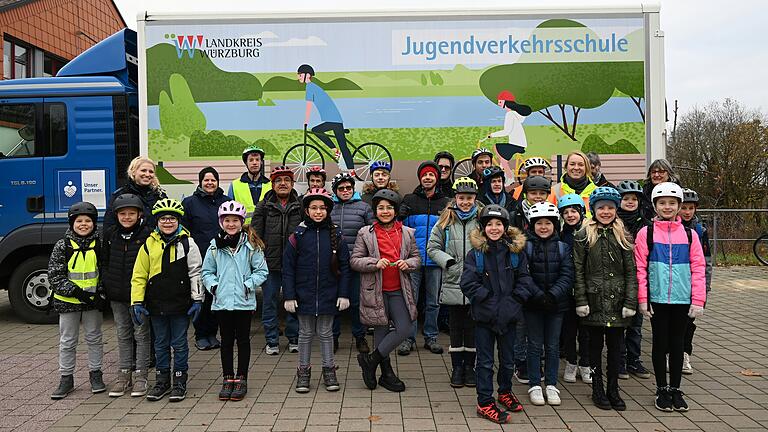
[179, 115]
[629, 79]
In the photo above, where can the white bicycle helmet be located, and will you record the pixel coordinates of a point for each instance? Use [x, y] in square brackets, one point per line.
[543, 210]
[667, 189]
[536, 161]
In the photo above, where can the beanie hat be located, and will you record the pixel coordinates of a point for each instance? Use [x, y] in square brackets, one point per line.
[206, 170]
[429, 166]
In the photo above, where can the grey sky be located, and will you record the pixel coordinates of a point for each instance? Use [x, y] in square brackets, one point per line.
[712, 51]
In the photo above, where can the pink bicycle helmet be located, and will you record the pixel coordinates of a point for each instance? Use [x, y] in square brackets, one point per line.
[231, 208]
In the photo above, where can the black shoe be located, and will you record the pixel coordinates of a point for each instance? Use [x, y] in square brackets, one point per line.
[179, 390]
[226, 388]
[335, 344]
[162, 386]
[615, 399]
[470, 379]
[638, 370]
[329, 379]
[362, 345]
[240, 388]
[598, 391]
[492, 413]
[521, 373]
[389, 380]
[303, 378]
[368, 364]
[214, 342]
[97, 381]
[663, 400]
[66, 386]
[678, 402]
[623, 374]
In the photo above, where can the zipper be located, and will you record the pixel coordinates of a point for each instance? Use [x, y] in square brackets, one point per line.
[464, 251]
[669, 240]
[317, 274]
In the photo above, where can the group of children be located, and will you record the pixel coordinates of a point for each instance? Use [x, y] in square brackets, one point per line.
[570, 271]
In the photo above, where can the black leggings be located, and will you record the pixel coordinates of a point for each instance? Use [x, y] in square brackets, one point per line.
[384, 338]
[573, 330]
[235, 325]
[614, 337]
[668, 323]
[462, 328]
[688, 345]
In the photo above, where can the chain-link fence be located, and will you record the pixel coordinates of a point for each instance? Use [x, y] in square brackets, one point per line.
[733, 231]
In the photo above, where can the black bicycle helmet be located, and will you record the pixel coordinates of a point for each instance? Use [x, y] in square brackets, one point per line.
[82, 208]
[389, 195]
[492, 172]
[536, 183]
[493, 211]
[629, 186]
[445, 155]
[306, 69]
[339, 178]
[126, 201]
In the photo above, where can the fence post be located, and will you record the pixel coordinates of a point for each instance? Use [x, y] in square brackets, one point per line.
[714, 234]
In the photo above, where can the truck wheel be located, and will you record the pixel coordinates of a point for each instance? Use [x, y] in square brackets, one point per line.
[28, 291]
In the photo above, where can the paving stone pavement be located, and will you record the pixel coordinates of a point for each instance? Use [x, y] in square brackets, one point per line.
[731, 338]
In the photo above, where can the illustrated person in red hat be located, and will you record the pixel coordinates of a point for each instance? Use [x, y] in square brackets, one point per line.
[513, 129]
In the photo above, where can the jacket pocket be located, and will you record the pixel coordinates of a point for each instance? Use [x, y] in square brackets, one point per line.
[594, 297]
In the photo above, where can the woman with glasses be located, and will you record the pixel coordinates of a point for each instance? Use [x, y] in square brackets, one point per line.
[660, 171]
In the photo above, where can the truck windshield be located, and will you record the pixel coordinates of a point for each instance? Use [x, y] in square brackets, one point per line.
[17, 130]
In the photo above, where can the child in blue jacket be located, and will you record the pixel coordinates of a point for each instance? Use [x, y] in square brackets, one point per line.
[233, 268]
[316, 278]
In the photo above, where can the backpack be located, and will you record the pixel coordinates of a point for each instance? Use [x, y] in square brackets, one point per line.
[514, 260]
[649, 238]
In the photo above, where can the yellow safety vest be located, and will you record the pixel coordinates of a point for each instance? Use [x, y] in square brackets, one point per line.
[242, 194]
[83, 270]
[565, 190]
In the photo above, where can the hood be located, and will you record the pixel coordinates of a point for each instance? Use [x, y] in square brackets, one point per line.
[199, 192]
[355, 197]
[369, 188]
[664, 225]
[514, 237]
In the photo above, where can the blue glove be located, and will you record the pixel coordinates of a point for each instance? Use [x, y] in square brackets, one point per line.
[137, 311]
[194, 310]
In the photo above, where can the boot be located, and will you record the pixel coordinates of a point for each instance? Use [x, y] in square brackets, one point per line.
[329, 379]
[66, 386]
[303, 377]
[598, 391]
[362, 345]
[123, 383]
[457, 373]
[179, 390]
[97, 381]
[613, 395]
[369, 363]
[240, 388]
[388, 379]
[139, 383]
[469, 369]
[162, 385]
[226, 387]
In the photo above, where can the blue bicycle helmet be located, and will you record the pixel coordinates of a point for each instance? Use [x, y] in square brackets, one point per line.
[570, 200]
[380, 165]
[604, 193]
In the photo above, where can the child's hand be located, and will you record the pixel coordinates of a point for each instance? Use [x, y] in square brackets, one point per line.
[582, 311]
[646, 310]
[402, 265]
[627, 312]
[342, 303]
[291, 305]
[383, 263]
[695, 311]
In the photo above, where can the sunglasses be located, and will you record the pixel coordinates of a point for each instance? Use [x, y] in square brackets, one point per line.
[445, 167]
[344, 188]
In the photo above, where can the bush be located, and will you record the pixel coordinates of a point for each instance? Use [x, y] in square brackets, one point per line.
[598, 145]
[179, 116]
[215, 143]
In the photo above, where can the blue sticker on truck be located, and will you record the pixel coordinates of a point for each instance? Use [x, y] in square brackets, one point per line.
[87, 185]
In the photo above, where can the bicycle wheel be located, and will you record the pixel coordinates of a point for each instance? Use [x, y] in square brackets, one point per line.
[463, 168]
[366, 154]
[300, 158]
[760, 248]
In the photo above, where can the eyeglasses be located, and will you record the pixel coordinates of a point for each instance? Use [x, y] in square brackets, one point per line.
[658, 172]
[344, 188]
[445, 167]
[318, 208]
[167, 219]
[385, 208]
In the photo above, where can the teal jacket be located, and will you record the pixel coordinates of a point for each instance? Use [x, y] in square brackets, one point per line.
[235, 275]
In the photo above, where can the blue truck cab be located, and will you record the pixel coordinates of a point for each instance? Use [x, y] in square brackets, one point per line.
[63, 139]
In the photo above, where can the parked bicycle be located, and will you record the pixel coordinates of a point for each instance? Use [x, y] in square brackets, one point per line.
[302, 156]
[760, 248]
[464, 167]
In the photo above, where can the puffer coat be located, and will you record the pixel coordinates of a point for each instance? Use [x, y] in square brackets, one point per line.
[350, 216]
[274, 223]
[550, 264]
[451, 244]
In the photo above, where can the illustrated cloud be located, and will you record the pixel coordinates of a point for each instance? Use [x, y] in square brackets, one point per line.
[296, 42]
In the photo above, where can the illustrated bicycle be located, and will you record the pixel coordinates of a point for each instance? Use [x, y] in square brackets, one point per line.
[302, 156]
[760, 248]
[464, 167]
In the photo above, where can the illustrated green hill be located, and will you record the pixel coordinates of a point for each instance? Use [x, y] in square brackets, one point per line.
[207, 82]
[279, 83]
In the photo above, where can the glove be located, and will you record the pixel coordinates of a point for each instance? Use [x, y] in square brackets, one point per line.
[627, 312]
[450, 263]
[100, 301]
[213, 289]
[137, 311]
[695, 311]
[538, 302]
[582, 311]
[83, 296]
[646, 310]
[194, 310]
[342, 303]
[291, 305]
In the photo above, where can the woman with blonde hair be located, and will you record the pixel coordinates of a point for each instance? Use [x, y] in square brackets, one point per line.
[143, 183]
[577, 179]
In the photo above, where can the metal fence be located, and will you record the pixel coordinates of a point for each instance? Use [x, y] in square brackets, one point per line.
[728, 226]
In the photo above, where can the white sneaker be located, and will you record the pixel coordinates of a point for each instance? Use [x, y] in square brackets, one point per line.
[687, 369]
[553, 395]
[536, 396]
[293, 347]
[272, 350]
[586, 374]
[569, 375]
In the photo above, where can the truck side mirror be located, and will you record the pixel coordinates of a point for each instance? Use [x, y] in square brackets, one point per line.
[27, 133]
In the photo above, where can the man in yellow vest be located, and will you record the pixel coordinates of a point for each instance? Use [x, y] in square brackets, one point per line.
[252, 186]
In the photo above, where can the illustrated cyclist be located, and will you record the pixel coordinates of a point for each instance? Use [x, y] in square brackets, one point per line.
[329, 115]
[514, 116]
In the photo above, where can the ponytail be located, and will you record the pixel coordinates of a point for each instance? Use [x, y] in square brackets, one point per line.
[253, 237]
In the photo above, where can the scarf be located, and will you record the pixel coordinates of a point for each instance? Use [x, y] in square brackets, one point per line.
[169, 238]
[464, 216]
[224, 240]
[576, 185]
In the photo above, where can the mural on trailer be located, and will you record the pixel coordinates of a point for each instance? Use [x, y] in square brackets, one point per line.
[344, 94]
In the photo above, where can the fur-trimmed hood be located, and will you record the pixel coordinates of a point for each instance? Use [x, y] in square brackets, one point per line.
[514, 238]
[369, 188]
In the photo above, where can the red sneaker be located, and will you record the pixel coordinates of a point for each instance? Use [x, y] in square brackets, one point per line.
[510, 401]
[492, 413]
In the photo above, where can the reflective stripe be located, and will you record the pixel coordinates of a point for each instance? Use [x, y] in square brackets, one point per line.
[73, 276]
[83, 270]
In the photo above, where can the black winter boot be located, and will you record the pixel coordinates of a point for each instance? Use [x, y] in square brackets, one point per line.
[469, 369]
[369, 363]
[614, 397]
[457, 374]
[226, 388]
[598, 391]
[389, 380]
[179, 390]
[96, 377]
[239, 389]
[162, 385]
[66, 386]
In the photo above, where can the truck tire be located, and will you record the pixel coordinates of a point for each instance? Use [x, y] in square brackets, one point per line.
[28, 291]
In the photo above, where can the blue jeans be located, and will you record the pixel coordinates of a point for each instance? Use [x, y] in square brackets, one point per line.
[171, 332]
[485, 340]
[358, 330]
[543, 329]
[521, 345]
[271, 290]
[630, 349]
[431, 305]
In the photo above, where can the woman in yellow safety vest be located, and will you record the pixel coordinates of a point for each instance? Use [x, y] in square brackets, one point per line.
[576, 180]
